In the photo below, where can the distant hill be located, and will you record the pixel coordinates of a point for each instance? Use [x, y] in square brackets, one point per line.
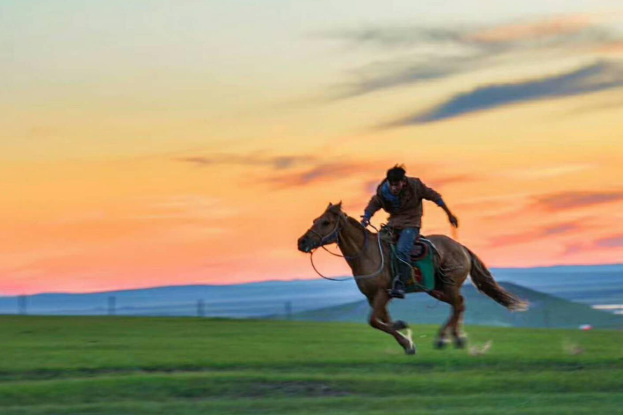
[243, 300]
[589, 284]
[545, 311]
[594, 285]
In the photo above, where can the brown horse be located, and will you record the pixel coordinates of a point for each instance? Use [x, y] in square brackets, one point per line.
[368, 258]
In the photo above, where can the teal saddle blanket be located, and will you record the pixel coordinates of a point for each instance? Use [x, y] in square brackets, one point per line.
[423, 266]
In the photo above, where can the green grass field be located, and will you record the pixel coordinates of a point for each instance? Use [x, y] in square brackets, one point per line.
[104, 365]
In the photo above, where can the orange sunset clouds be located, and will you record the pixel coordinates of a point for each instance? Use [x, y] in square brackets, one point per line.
[189, 142]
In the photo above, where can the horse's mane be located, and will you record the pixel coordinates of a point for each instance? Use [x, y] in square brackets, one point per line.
[356, 223]
[337, 209]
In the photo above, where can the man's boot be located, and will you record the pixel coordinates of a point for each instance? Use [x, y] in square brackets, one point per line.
[398, 287]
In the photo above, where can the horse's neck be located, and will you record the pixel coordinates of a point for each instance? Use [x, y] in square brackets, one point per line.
[358, 245]
[352, 237]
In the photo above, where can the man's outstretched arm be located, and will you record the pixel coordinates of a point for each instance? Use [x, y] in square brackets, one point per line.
[430, 194]
[373, 206]
[451, 218]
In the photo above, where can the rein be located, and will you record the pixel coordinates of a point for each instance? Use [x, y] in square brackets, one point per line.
[335, 234]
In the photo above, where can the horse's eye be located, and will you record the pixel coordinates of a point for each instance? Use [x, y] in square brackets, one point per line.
[325, 223]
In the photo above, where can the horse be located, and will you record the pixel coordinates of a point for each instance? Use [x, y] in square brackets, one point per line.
[371, 270]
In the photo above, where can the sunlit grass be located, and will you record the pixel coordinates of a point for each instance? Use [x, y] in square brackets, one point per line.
[102, 365]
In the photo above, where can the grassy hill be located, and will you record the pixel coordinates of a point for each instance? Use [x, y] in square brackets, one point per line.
[591, 285]
[115, 365]
[545, 311]
[240, 300]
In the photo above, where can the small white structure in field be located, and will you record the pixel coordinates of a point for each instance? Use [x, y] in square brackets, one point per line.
[586, 327]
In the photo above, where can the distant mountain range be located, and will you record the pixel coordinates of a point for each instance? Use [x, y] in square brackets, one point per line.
[588, 284]
[545, 311]
[243, 300]
[592, 285]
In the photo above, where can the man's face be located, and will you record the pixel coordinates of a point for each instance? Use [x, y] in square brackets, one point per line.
[396, 187]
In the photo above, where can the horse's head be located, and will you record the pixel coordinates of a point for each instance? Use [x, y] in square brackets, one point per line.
[324, 230]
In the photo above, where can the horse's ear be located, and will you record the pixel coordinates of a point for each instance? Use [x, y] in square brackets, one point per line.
[335, 208]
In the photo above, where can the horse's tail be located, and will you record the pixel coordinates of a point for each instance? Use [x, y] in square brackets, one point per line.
[483, 280]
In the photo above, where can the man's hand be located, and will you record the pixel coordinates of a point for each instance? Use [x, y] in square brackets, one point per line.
[453, 220]
[365, 221]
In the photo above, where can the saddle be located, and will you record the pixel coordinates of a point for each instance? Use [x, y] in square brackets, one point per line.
[424, 260]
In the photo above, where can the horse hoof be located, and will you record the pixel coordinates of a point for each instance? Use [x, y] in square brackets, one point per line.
[411, 350]
[400, 325]
[460, 342]
[441, 344]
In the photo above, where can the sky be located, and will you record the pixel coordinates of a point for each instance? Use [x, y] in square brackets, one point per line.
[178, 141]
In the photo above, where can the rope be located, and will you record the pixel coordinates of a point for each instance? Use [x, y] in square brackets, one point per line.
[433, 306]
[311, 257]
[355, 277]
[365, 242]
[441, 274]
[336, 233]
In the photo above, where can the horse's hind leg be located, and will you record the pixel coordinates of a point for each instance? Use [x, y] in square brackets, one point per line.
[442, 339]
[458, 308]
[458, 260]
[456, 301]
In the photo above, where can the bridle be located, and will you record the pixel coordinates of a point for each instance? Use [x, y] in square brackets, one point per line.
[334, 237]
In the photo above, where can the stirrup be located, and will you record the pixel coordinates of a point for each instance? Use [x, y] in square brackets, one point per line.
[396, 292]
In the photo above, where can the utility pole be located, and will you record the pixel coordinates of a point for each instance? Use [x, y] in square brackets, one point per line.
[112, 305]
[546, 316]
[201, 308]
[22, 305]
[288, 310]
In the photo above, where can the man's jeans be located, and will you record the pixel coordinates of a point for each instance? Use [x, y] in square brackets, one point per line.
[407, 238]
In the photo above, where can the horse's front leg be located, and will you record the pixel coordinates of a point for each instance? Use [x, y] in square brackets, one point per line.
[380, 320]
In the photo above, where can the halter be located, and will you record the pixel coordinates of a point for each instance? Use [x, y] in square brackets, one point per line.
[334, 237]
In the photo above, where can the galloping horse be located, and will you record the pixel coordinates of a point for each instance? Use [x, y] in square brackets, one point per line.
[372, 272]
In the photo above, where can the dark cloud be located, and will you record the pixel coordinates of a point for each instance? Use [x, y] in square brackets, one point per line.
[532, 235]
[554, 30]
[593, 78]
[560, 229]
[389, 75]
[398, 37]
[575, 248]
[615, 241]
[291, 171]
[611, 242]
[418, 54]
[320, 173]
[572, 200]
[444, 181]
[512, 239]
[414, 66]
[276, 162]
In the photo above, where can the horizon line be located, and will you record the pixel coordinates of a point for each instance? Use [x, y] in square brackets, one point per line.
[270, 280]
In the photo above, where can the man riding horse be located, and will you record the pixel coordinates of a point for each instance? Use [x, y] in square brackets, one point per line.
[401, 197]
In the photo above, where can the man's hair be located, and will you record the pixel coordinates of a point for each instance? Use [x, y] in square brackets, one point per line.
[396, 173]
